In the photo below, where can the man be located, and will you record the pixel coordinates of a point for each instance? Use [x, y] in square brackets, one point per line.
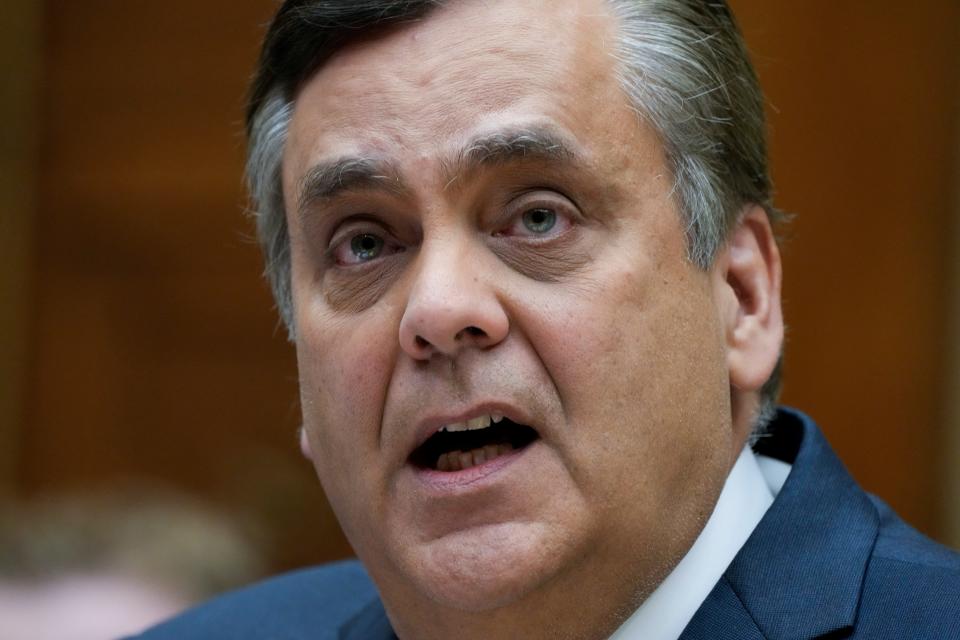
[525, 253]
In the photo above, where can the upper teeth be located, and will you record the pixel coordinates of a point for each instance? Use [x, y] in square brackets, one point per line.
[480, 422]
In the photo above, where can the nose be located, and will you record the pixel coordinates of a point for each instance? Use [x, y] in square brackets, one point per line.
[452, 306]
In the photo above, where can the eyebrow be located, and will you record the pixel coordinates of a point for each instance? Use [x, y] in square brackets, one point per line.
[332, 178]
[531, 143]
[329, 179]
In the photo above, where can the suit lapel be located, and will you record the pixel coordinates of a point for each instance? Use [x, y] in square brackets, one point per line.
[722, 617]
[800, 574]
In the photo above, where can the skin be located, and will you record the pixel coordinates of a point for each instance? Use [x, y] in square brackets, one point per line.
[639, 371]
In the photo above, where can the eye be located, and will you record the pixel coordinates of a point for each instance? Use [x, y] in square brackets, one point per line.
[539, 220]
[360, 248]
[539, 215]
[366, 246]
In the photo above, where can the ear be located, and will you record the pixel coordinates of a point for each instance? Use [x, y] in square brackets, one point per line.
[305, 444]
[747, 278]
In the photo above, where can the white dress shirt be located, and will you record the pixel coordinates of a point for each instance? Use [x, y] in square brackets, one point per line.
[749, 491]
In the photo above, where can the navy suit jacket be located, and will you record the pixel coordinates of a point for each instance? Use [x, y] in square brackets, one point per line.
[827, 561]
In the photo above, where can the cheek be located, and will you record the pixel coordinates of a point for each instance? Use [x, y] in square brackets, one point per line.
[638, 363]
[344, 368]
[643, 386]
[343, 362]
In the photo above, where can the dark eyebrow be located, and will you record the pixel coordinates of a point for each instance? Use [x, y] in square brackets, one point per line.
[538, 143]
[331, 178]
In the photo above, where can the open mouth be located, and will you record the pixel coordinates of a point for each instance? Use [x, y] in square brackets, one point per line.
[456, 447]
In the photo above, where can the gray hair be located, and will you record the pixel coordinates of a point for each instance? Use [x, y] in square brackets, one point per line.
[682, 64]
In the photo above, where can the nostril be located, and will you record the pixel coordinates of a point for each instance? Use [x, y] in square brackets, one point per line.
[476, 332]
[423, 344]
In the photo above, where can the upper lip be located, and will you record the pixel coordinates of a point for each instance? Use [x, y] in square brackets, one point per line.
[430, 424]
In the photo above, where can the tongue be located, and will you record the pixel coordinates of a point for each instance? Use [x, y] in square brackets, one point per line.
[460, 460]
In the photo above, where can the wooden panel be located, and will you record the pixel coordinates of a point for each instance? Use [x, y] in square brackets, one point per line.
[863, 107]
[19, 67]
[157, 353]
[951, 442]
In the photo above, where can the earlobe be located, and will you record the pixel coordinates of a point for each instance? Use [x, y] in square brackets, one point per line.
[749, 274]
[305, 444]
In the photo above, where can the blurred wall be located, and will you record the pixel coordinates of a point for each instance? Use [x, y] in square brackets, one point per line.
[863, 104]
[19, 69]
[153, 350]
[951, 494]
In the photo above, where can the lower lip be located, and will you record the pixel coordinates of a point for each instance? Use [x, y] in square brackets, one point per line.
[447, 480]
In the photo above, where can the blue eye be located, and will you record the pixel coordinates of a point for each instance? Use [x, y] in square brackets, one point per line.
[539, 220]
[366, 246]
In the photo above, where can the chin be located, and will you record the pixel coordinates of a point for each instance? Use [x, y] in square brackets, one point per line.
[485, 568]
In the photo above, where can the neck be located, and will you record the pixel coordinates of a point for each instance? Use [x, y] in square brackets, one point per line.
[587, 604]
[587, 601]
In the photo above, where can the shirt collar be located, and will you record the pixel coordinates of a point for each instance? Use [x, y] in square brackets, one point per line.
[747, 493]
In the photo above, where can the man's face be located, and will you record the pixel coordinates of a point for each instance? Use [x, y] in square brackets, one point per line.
[481, 226]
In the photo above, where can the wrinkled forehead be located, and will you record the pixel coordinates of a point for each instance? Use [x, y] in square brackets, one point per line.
[465, 65]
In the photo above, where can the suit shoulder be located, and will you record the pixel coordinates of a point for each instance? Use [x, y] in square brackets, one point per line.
[310, 603]
[911, 581]
[898, 542]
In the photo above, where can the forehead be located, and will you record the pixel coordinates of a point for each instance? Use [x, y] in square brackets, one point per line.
[469, 65]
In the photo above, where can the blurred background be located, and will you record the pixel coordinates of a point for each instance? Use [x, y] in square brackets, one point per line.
[139, 346]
